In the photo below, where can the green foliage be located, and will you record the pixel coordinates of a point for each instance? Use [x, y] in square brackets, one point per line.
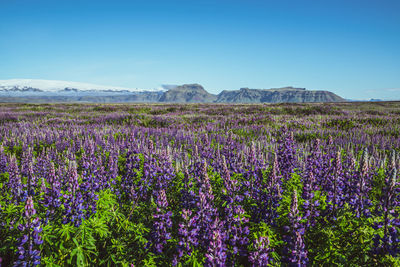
[108, 238]
[194, 260]
[294, 183]
[345, 241]
[10, 214]
[263, 230]
[378, 185]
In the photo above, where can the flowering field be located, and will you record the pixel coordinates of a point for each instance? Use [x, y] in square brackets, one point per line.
[194, 185]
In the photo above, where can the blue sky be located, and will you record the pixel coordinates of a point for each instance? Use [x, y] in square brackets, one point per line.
[350, 47]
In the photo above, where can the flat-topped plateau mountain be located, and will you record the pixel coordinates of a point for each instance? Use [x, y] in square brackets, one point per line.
[188, 93]
[278, 95]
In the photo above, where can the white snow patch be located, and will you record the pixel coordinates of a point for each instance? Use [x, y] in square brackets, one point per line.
[54, 86]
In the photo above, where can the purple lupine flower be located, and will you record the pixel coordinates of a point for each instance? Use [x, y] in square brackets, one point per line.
[73, 201]
[252, 154]
[113, 165]
[73, 178]
[268, 195]
[205, 214]
[337, 184]
[90, 185]
[392, 160]
[314, 168]
[187, 233]
[151, 146]
[365, 180]
[26, 161]
[28, 252]
[162, 223]
[205, 181]
[359, 187]
[261, 254]
[390, 242]
[51, 199]
[235, 222]
[14, 181]
[287, 158]
[206, 211]
[296, 253]
[195, 151]
[30, 186]
[127, 184]
[188, 198]
[230, 184]
[3, 160]
[216, 252]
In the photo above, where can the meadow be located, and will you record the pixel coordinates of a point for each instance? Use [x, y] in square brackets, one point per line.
[200, 184]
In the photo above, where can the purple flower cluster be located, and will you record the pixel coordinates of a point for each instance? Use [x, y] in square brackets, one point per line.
[286, 154]
[216, 252]
[261, 254]
[187, 232]
[295, 231]
[389, 243]
[28, 252]
[14, 181]
[73, 201]
[162, 223]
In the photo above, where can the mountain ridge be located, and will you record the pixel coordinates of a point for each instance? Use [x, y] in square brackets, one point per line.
[188, 92]
[277, 95]
[41, 91]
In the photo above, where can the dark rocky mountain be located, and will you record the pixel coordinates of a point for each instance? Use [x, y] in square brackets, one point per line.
[195, 93]
[188, 93]
[20, 89]
[278, 95]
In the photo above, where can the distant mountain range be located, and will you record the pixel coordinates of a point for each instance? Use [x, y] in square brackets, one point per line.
[195, 93]
[53, 86]
[45, 91]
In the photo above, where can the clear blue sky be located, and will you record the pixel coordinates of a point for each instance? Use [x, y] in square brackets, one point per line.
[351, 47]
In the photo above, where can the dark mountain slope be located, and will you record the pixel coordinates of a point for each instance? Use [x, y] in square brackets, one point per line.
[188, 93]
[280, 95]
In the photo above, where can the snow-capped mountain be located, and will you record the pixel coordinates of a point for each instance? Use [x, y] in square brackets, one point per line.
[35, 86]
